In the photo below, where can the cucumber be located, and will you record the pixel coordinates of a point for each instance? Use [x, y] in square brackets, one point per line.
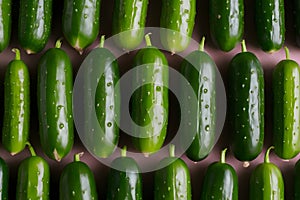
[200, 71]
[246, 105]
[55, 84]
[266, 181]
[220, 181]
[15, 130]
[77, 181]
[296, 9]
[173, 181]
[4, 180]
[270, 24]
[177, 20]
[286, 104]
[107, 101]
[226, 21]
[34, 24]
[80, 22]
[33, 178]
[150, 101]
[5, 23]
[128, 22]
[124, 179]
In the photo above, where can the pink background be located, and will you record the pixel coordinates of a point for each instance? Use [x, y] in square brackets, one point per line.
[222, 59]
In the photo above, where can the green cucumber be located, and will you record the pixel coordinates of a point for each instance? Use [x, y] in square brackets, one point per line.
[173, 181]
[80, 22]
[226, 20]
[266, 181]
[128, 22]
[286, 108]
[150, 101]
[5, 23]
[124, 179]
[34, 24]
[200, 71]
[220, 181]
[107, 101]
[177, 20]
[4, 180]
[77, 181]
[297, 180]
[15, 129]
[246, 105]
[270, 24]
[33, 178]
[55, 84]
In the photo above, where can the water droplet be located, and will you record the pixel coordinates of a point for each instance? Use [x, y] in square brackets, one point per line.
[207, 127]
[109, 124]
[205, 90]
[61, 125]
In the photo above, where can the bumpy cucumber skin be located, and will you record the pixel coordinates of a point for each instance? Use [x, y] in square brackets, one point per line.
[34, 24]
[270, 24]
[220, 182]
[173, 181]
[77, 182]
[5, 23]
[266, 182]
[178, 17]
[125, 184]
[129, 16]
[80, 22]
[286, 109]
[55, 84]
[4, 180]
[246, 105]
[226, 19]
[16, 118]
[199, 69]
[33, 179]
[155, 70]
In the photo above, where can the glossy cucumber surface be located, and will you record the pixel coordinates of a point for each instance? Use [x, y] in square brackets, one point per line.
[80, 22]
[200, 71]
[34, 26]
[150, 104]
[129, 16]
[226, 20]
[4, 180]
[270, 24]
[177, 20]
[55, 85]
[5, 23]
[15, 131]
[286, 112]
[246, 105]
[220, 181]
[77, 182]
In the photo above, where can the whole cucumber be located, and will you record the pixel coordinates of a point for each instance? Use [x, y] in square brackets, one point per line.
[55, 84]
[150, 104]
[246, 105]
[15, 129]
[270, 24]
[173, 181]
[200, 71]
[124, 179]
[128, 22]
[80, 22]
[226, 21]
[5, 23]
[177, 20]
[297, 181]
[4, 180]
[220, 181]
[77, 181]
[266, 181]
[286, 104]
[33, 178]
[34, 24]
[107, 101]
